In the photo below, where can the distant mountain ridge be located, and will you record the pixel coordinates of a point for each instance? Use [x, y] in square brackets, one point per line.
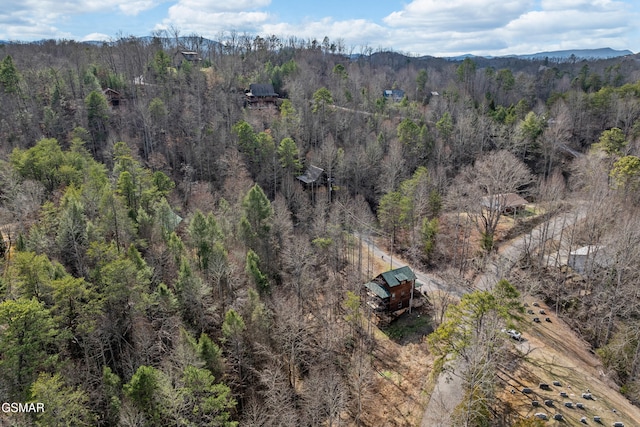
[562, 55]
[557, 55]
[602, 53]
[188, 41]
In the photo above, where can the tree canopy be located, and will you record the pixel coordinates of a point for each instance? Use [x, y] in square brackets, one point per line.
[174, 254]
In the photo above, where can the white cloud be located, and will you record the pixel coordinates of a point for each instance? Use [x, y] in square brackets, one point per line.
[437, 27]
[54, 9]
[209, 18]
[208, 6]
[355, 32]
[213, 23]
[504, 27]
[31, 31]
[96, 37]
[584, 5]
[548, 23]
[36, 19]
[570, 28]
[136, 7]
[437, 15]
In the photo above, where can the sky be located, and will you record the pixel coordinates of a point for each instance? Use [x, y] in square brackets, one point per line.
[415, 27]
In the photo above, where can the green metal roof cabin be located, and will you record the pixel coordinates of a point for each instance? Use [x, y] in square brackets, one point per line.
[391, 291]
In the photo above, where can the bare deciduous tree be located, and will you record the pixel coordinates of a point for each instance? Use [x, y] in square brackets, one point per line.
[482, 190]
[393, 169]
[325, 397]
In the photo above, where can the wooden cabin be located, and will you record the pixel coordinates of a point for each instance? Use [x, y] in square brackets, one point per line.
[313, 176]
[505, 203]
[395, 95]
[114, 98]
[188, 56]
[391, 291]
[260, 96]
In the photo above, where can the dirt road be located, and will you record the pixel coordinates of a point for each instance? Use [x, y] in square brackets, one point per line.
[553, 351]
[510, 252]
[428, 282]
[444, 397]
[448, 390]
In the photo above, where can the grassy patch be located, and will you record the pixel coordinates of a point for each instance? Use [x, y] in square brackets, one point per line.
[528, 212]
[392, 376]
[408, 327]
[387, 374]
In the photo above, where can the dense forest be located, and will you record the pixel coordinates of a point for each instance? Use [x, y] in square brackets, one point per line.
[162, 264]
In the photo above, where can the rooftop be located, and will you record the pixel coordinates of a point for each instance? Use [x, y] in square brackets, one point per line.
[397, 276]
[377, 289]
[261, 90]
[587, 250]
[190, 55]
[311, 174]
[503, 201]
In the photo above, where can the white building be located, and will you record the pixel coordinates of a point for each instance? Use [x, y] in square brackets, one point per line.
[586, 259]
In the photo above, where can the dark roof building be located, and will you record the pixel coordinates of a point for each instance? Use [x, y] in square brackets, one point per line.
[394, 94]
[261, 90]
[312, 175]
[398, 276]
[504, 203]
[190, 56]
[261, 95]
[114, 98]
[391, 291]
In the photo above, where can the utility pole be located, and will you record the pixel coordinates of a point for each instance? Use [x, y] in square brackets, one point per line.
[393, 235]
[413, 285]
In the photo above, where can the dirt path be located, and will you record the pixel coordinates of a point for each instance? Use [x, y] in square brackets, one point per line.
[430, 282]
[510, 252]
[551, 350]
[448, 389]
[443, 398]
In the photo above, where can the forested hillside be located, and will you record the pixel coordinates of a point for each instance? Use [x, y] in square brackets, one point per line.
[162, 264]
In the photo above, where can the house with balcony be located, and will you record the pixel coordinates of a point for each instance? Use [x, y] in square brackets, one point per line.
[391, 291]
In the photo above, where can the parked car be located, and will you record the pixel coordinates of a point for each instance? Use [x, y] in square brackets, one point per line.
[513, 334]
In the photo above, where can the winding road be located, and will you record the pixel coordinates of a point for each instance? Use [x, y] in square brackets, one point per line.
[447, 392]
[429, 282]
